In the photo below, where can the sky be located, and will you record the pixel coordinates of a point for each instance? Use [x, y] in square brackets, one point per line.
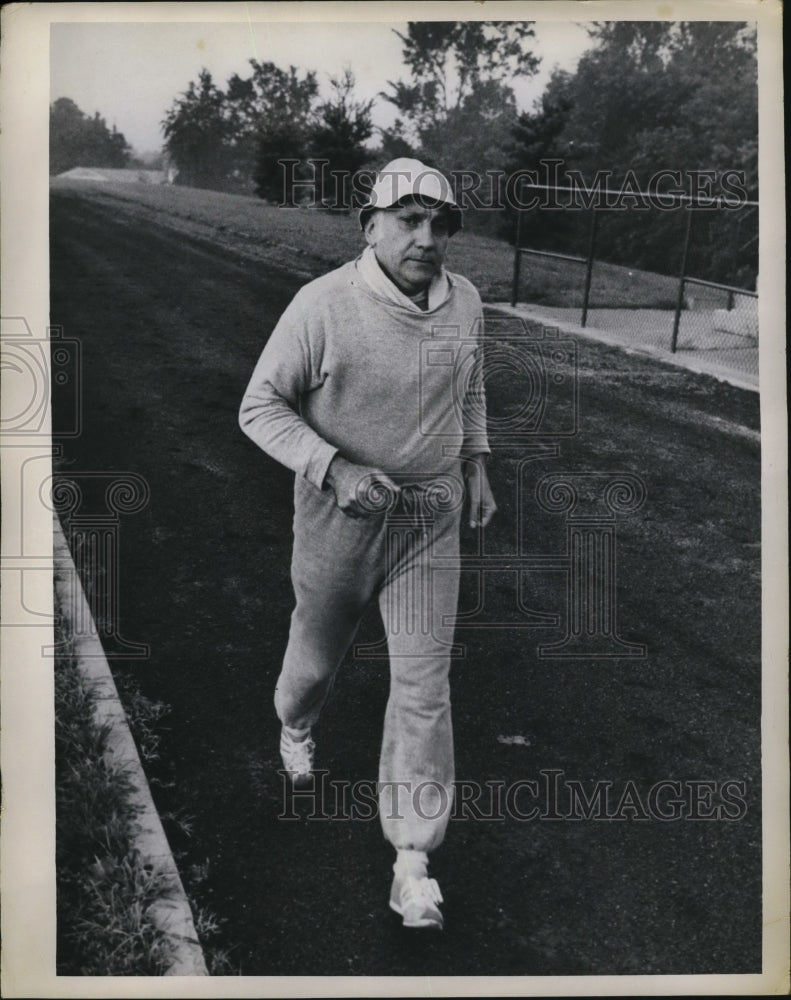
[132, 72]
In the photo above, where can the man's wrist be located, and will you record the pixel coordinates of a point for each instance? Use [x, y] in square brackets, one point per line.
[477, 461]
[331, 471]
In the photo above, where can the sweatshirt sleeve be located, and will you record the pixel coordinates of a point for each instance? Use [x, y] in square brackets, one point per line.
[474, 409]
[269, 413]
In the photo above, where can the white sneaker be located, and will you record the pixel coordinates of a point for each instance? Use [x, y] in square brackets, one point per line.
[417, 899]
[297, 757]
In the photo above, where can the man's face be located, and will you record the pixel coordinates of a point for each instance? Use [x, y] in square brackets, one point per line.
[409, 241]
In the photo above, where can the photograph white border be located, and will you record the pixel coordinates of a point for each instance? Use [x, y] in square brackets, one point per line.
[27, 739]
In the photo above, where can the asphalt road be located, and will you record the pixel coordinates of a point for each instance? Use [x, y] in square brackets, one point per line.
[170, 330]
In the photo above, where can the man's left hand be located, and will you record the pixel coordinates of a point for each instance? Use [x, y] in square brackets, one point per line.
[482, 505]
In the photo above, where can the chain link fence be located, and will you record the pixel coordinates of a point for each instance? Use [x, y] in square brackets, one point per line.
[678, 279]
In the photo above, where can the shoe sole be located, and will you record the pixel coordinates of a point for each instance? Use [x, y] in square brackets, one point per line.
[435, 925]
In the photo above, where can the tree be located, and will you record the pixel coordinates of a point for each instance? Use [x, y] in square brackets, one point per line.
[75, 140]
[458, 108]
[272, 116]
[393, 142]
[475, 134]
[651, 96]
[662, 95]
[342, 126]
[197, 134]
[539, 136]
[228, 139]
[448, 60]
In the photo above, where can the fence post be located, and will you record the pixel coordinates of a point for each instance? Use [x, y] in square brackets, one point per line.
[589, 267]
[680, 300]
[517, 257]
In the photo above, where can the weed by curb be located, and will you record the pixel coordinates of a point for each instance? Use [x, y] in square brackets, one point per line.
[104, 888]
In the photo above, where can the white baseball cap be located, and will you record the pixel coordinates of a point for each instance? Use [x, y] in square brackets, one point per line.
[408, 178]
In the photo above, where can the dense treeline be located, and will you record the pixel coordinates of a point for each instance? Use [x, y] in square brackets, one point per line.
[232, 139]
[456, 111]
[77, 140]
[669, 104]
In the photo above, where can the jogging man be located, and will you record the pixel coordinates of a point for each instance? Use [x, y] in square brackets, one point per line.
[370, 389]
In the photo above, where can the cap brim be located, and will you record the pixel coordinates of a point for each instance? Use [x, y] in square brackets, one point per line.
[456, 215]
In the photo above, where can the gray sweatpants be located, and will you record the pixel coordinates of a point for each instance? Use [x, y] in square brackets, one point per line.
[339, 564]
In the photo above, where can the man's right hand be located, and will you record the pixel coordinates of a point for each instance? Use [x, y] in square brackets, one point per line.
[360, 490]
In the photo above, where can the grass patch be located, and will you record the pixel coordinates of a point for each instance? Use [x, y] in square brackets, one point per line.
[105, 889]
[309, 242]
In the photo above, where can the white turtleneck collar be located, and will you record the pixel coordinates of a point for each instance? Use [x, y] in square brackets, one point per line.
[371, 271]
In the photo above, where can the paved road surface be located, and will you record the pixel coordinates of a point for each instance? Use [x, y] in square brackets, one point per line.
[170, 331]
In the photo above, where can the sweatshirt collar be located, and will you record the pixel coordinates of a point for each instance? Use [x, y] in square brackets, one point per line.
[377, 280]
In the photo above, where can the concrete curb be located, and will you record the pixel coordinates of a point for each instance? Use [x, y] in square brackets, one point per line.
[681, 360]
[172, 915]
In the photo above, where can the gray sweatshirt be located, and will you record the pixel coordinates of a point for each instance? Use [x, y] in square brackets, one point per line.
[348, 370]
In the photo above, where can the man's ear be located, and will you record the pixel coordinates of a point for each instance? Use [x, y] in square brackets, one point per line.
[370, 230]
